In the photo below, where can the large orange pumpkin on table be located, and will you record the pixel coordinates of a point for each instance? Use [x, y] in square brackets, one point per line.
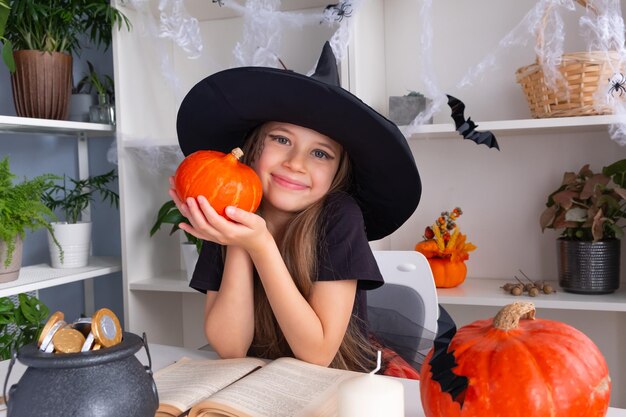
[518, 366]
[219, 177]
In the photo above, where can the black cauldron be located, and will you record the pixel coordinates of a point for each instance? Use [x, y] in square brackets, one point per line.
[110, 382]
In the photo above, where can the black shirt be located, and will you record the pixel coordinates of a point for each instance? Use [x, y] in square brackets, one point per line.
[343, 253]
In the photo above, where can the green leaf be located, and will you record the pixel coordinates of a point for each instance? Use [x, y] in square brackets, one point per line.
[4, 15]
[617, 172]
[7, 55]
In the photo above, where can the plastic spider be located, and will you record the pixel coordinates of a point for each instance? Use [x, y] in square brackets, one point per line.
[617, 84]
[219, 2]
[339, 10]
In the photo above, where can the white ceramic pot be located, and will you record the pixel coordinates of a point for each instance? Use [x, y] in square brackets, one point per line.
[75, 240]
[190, 257]
[11, 272]
[79, 107]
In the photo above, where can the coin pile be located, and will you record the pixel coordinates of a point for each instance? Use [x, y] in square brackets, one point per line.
[88, 333]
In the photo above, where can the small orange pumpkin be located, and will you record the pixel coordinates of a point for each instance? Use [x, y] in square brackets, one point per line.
[519, 366]
[221, 178]
[447, 273]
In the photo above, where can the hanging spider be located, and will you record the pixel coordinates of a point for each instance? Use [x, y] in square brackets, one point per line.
[339, 10]
[219, 2]
[617, 82]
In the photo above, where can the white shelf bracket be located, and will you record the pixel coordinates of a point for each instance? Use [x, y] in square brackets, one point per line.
[83, 173]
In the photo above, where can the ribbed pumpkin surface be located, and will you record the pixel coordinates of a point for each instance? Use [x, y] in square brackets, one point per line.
[221, 178]
[541, 368]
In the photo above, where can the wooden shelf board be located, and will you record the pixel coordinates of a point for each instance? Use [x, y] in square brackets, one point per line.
[487, 292]
[11, 124]
[36, 277]
[523, 127]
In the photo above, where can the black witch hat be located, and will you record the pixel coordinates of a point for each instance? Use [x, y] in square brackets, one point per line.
[220, 110]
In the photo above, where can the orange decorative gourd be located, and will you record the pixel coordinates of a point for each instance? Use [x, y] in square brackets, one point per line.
[219, 177]
[518, 366]
[447, 273]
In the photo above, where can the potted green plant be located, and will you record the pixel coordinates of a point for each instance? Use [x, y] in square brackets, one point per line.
[4, 15]
[20, 324]
[190, 249]
[41, 37]
[82, 106]
[589, 207]
[104, 111]
[21, 208]
[71, 197]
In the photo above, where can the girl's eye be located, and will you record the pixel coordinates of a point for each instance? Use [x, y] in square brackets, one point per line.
[280, 139]
[320, 154]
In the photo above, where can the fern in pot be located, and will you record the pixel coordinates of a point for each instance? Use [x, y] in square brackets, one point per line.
[21, 209]
[589, 208]
[71, 197]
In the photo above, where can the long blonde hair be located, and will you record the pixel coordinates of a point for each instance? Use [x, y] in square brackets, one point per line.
[299, 249]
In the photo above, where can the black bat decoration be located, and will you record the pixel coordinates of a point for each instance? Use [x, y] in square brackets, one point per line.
[467, 128]
[442, 362]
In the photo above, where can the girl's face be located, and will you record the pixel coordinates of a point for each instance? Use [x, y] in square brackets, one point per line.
[296, 166]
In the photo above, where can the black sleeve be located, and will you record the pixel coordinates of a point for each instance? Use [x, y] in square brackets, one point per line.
[344, 251]
[208, 273]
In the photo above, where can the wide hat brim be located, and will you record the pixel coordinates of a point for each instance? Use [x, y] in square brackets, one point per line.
[221, 110]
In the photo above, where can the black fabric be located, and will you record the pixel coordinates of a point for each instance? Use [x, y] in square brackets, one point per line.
[344, 254]
[220, 110]
[443, 362]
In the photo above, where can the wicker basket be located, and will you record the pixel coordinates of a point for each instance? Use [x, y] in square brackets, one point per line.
[575, 95]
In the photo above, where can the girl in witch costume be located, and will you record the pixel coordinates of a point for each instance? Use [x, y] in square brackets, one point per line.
[291, 279]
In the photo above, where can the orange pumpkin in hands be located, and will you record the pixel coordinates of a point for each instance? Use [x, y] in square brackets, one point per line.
[220, 178]
[518, 366]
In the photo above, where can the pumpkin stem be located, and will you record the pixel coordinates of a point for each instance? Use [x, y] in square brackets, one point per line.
[237, 153]
[509, 316]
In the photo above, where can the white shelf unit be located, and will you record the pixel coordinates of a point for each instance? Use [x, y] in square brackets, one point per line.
[488, 292]
[12, 124]
[36, 277]
[523, 127]
[501, 193]
[147, 99]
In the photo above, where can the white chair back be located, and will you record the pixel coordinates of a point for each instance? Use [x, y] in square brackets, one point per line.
[409, 287]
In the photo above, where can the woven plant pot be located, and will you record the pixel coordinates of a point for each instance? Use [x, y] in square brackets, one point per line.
[42, 84]
[588, 267]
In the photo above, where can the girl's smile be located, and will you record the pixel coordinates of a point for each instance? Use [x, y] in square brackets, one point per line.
[296, 166]
[288, 182]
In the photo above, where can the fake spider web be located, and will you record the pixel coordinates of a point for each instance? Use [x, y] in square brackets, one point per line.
[264, 24]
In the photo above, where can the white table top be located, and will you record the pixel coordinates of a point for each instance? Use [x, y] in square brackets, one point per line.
[163, 355]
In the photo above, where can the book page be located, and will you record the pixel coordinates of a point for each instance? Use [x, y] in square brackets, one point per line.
[286, 387]
[188, 381]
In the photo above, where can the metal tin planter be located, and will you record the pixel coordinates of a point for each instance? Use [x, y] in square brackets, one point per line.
[588, 267]
[110, 382]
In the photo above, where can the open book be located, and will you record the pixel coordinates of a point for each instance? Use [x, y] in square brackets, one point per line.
[248, 387]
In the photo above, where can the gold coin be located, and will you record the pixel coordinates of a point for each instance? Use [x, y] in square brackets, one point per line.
[68, 340]
[96, 346]
[52, 320]
[106, 328]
